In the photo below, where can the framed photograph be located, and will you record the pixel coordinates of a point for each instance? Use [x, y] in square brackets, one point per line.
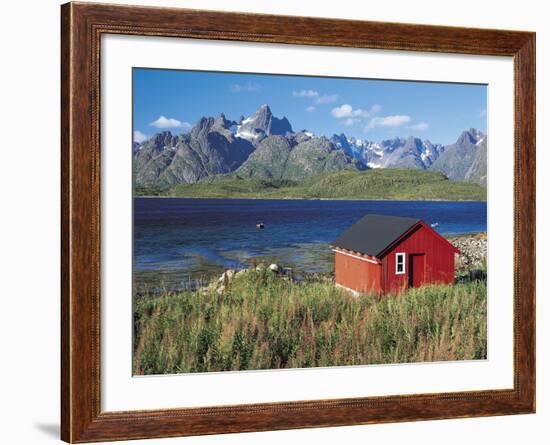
[275, 222]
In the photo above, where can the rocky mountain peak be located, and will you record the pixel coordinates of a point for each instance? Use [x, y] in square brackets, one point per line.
[157, 143]
[413, 143]
[392, 144]
[262, 124]
[204, 123]
[261, 117]
[470, 137]
[222, 123]
[466, 159]
[163, 137]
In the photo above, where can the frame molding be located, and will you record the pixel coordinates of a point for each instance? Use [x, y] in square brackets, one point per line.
[82, 25]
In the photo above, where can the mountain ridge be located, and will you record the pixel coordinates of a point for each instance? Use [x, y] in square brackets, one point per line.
[265, 147]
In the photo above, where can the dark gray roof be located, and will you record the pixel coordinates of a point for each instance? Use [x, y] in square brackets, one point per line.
[373, 233]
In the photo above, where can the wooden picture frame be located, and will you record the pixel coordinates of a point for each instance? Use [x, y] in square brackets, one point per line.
[82, 26]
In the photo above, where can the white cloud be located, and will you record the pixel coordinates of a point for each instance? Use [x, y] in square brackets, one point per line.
[248, 87]
[342, 111]
[421, 126]
[167, 122]
[327, 99]
[310, 109]
[317, 97]
[139, 137]
[306, 93]
[347, 110]
[388, 121]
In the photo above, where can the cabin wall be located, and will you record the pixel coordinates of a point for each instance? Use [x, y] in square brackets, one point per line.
[439, 260]
[353, 273]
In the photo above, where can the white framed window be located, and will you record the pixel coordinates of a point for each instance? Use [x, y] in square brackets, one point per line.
[400, 263]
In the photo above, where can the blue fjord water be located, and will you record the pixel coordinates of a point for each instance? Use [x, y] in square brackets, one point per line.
[179, 241]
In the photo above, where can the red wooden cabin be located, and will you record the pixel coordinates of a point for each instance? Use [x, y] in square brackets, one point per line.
[384, 254]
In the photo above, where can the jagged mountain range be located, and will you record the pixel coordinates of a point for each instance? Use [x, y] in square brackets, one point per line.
[266, 147]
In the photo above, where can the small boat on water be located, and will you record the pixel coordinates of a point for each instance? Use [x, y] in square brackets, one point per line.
[260, 226]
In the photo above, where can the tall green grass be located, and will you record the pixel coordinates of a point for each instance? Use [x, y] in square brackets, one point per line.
[264, 322]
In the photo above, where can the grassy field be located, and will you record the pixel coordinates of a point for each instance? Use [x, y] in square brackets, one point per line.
[346, 184]
[262, 321]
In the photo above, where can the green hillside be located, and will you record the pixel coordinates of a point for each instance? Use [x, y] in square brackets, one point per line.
[394, 184]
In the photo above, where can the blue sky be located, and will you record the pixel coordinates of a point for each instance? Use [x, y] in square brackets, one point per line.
[367, 109]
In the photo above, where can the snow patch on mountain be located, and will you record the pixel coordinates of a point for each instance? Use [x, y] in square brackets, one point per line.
[481, 140]
[246, 134]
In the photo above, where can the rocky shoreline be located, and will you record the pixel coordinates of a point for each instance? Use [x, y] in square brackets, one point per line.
[473, 250]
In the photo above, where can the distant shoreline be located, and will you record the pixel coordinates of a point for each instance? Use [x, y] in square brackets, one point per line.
[308, 199]
[478, 234]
